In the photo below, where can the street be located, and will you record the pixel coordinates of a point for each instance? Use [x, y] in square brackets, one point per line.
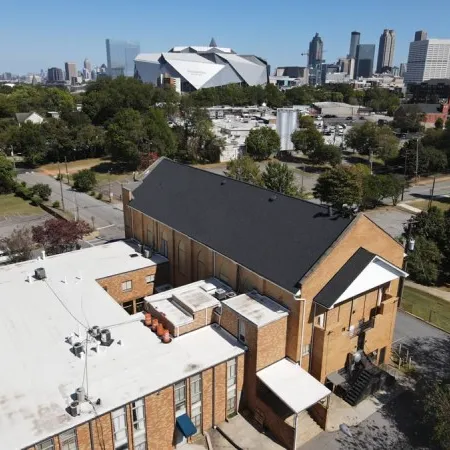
[104, 217]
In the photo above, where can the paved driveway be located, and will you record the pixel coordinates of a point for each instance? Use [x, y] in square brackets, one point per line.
[8, 224]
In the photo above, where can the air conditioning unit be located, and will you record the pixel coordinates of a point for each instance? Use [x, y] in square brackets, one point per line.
[78, 349]
[40, 274]
[105, 337]
[221, 294]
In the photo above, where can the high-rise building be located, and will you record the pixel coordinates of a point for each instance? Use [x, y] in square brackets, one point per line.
[315, 55]
[71, 71]
[93, 74]
[87, 65]
[428, 59]
[420, 36]
[120, 57]
[403, 67]
[395, 71]
[55, 74]
[354, 42]
[386, 51]
[365, 54]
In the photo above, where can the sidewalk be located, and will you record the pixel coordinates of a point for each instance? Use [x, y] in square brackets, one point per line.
[444, 295]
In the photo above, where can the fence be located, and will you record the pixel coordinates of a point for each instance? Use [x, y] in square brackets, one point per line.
[428, 314]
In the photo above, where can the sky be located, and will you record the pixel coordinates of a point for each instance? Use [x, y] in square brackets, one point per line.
[36, 35]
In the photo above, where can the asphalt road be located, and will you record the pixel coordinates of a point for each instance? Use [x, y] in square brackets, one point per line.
[408, 328]
[106, 218]
[418, 192]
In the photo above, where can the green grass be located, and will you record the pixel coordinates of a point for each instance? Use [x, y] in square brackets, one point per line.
[428, 307]
[423, 204]
[11, 205]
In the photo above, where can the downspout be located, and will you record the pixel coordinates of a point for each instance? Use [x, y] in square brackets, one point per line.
[213, 397]
[312, 340]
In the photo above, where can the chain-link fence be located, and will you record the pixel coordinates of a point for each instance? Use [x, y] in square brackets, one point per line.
[428, 314]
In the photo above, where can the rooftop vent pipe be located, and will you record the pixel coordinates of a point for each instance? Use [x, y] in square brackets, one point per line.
[80, 394]
[74, 409]
[77, 349]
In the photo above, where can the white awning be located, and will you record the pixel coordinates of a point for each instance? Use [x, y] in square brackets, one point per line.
[292, 385]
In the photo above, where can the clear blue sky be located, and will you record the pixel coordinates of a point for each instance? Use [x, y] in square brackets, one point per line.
[40, 34]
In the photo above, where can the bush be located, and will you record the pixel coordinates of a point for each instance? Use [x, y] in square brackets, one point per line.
[92, 193]
[41, 190]
[23, 192]
[59, 177]
[56, 204]
[84, 180]
[36, 200]
[100, 195]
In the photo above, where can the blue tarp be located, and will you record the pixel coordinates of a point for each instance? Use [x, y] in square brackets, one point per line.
[184, 423]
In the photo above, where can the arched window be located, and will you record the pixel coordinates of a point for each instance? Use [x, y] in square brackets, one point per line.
[181, 258]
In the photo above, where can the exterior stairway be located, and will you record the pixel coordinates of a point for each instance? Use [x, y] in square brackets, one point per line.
[358, 388]
[307, 428]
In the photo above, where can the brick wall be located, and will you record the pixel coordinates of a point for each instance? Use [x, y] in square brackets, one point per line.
[101, 432]
[220, 392]
[207, 399]
[159, 410]
[83, 437]
[271, 344]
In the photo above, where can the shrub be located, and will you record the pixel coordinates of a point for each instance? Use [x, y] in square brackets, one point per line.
[36, 200]
[84, 180]
[92, 193]
[56, 204]
[100, 195]
[41, 190]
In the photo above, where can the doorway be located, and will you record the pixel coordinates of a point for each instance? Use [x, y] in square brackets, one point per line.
[382, 356]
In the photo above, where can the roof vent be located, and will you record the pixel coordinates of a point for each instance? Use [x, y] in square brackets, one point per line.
[80, 394]
[40, 274]
[272, 198]
[330, 211]
[95, 331]
[105, 337]
[77, 349]
[221, 294]
[74, 409]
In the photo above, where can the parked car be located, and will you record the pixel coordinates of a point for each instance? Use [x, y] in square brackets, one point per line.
[362, 118]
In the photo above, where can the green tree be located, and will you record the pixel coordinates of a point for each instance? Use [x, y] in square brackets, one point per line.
[408, 118]
[437, 407]
[161, 138]
[89, 141]
[424, 262]
[7, 175]
[30, 141]
[393, 186]
[372, 191]
[262, 142]
[84, 180]
[447, 124]
[307, 140]
[306, 122]
[326, 154]
[44, 191]
[280, 178]
[429, 225]
[244, 169]
[338, 186]
[275, 98]
[439, 124]
[18, 245]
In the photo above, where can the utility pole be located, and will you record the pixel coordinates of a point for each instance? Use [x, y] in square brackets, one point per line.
[432, 193]
[109, 184]
[60, 185]
[417, 158]
[76, 206]
[67, 171]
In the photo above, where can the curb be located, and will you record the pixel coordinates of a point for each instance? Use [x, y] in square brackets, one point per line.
[423, 320]
[225, 435]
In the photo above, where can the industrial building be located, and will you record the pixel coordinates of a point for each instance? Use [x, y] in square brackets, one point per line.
[202, 67]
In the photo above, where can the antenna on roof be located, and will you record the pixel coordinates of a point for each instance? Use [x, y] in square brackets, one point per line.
[213, 43]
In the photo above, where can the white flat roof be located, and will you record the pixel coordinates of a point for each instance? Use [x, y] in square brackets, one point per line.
[172, 313]
[292, 385]
[197, 299]
[256, 308]
[41, 372]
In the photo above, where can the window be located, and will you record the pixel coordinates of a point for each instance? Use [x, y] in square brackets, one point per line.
[321, 320]
[140, 303]
[241, 333]
[164, 248]
[127, 285]
[46, 445]
[128, 307]
[380, 296]
[138, 415]
[231, 372]
[231, 387]
[196, 417]
[196, 389]
[150, 279]
[306, 349]
[231, 402]
[119, 419]
[68, 440]
[180, 397]
[181, 258]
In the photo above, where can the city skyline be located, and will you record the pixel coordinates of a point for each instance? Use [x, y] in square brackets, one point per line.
[39, 49]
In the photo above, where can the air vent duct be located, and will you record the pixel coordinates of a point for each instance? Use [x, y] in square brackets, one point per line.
[77, 349]
[40, 274]
[80, 394]
[74, 409]
[221, 294]
[105, 337]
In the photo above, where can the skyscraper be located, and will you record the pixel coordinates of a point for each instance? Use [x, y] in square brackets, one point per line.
[120, 57]
[428, 59]
[365, 54]
[354, 42]
[71, 71]
[386, 51]
[315, 51]
[420, 36]
[55, 74]
[403, 68]
[87, 65]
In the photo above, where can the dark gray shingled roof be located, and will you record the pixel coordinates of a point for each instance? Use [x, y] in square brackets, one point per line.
[344, 277]
[276, 236]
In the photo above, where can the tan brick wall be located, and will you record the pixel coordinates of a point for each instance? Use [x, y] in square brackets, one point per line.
[240, 379]
[83, 437]
[271, 344]
[207, 399]
[101, 431]
[220, 373]
[159, 410]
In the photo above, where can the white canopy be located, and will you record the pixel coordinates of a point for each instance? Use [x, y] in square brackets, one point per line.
[292, 385]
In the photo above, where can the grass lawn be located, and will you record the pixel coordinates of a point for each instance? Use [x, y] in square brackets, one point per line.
[423, 204]
[428, 307]
[11, 205]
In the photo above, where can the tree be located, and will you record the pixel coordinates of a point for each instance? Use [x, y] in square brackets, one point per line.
[437, 407]
[262, 142]
[29, 140]
[424, 262]
[161, 138]
[326, 154]
[59, 236]
[244, 169]
[279, 177]
[408, 118]
[372, 191]
[338, 186]
[307, 140]
[439, 124]
[84, 180]
[7, 175]
[18, 246]
[306, 122]
[429, 225]
[393, 186]
[44, 191]
[447, 124]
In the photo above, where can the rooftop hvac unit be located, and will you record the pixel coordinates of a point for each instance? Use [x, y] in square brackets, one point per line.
[221, 294]
[74, 409]
[147, 253]
[95, 331]
[40, 274]
[105, 337]
[80, 394]
[77, 349]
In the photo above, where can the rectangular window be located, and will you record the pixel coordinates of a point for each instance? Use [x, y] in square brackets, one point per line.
[306, 349]
[140, 303]
[46, 445]
[180, 397]
[231, 387]
[128, 307]
[196, 417]
[196, 389]
[127, 285]
[138, 415]
[231, 402]
[150, 279]
[119, 420]
[164, 248]
[231, 372]
[321, 320]
[241, 333]
[68, 440]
